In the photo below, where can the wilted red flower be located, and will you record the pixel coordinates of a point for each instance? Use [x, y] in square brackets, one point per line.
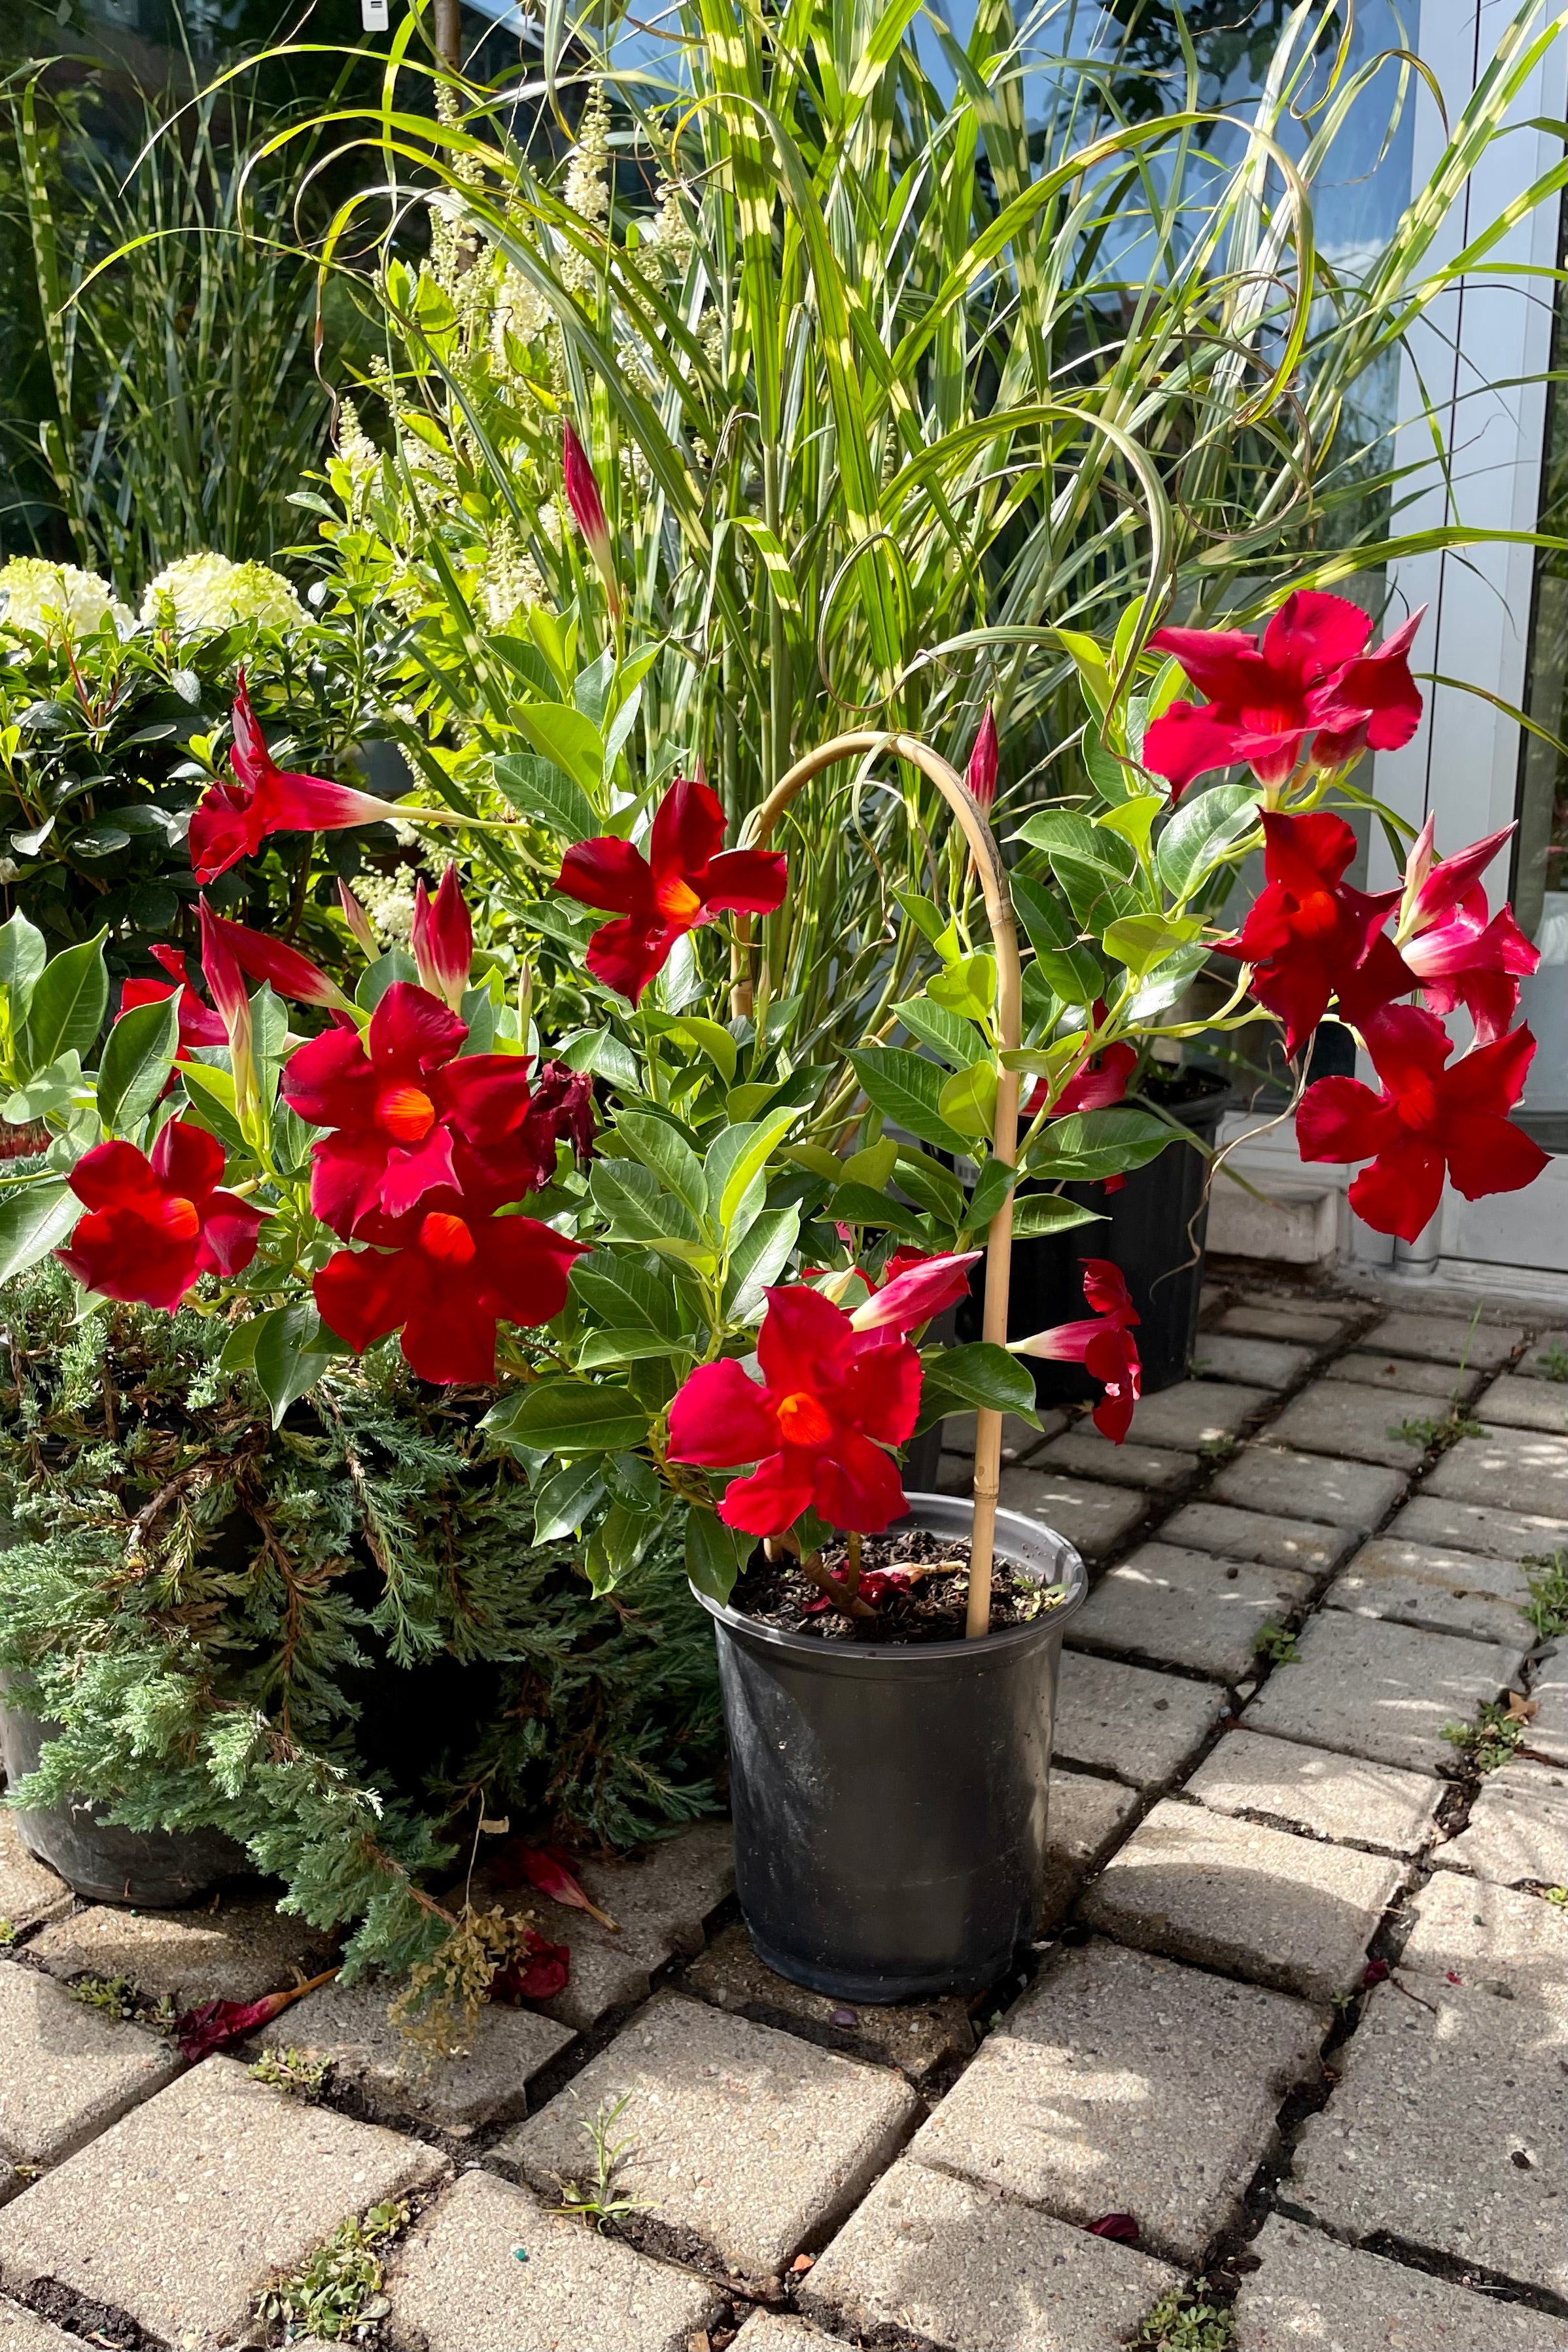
[416, 1123]
[913, 1287]
[981, 773]
[153, 1225]
[1307, 679]
[199, 1024]
[1122, 2227]
[444, 1278]
[1308, 933]
[214, 2024]
[546, 1869]
[260, 957]
[1451, 943]
[1426, 1118]
[588, 509]
[443, 940]
[831, 1398]
[1104, 1347]
[232, 820]
[686, 879]
[537, 1972]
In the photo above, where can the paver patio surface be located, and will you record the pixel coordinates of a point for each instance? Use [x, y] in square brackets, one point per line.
[1296, 1996]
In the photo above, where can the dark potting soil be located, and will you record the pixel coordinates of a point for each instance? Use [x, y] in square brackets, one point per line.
[930, 1606]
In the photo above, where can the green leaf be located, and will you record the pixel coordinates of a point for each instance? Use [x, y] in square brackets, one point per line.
[698, 1037]
[34, 1220]
[662, 1148]
[924, 913]
[590, 688]
[633, 1344]
[1140, 941]
[571, 1417]
[1090, 1145]
[995, 1181]
[983, 1375]
[565, 736]
[907, 1089]
[539, 788]
[211, 1094]
[873, 1166]
[714, 1555]
[1133, 819]
[736, 1158]
[640, 1209]
[565, 1501]
[968, 1100]
[69, 1001]
[59, 1090]
[1035, 1214]
[1083, 841]
[621, 1292]
[378, 977]
[138, 1056]
[857, 1204]
[1200, 832]
[23, 955]
[759, 1258]
[291, 1351]
[239, 1348]
[969, 987]
[935, 1187]
[1071, 972]
[1167, 981]
[957, 1041]
[602, 1054]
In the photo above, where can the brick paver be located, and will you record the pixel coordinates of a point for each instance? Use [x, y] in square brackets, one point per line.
[1445, 1382]
[1309, 2291]
[1380, 1690]
[1516, 1401]
[1341, 1421]
[65, 2071]
[1143, 1727]
[1316, 1791]
[1250, 1363]
[1084, 1453]
[1518, 1829]
[1093, 1518]
[914, 2036]
[1086, 1819]
[28, 1892]
[1443, 1591]
[1261, 1536]
[1280, 1910]
[1196, 1413]
[235, 1952]
[1122, 2083]
[24, 2331]
[1549, 1725]
[968, 2268]
[1527, 1466]
[1481, 1345]
[183, 2210]
[488, 2267]
[1309, 1486]
[757, 2141]
[1281, 1318]
[1500, 1533]
[349, 2025]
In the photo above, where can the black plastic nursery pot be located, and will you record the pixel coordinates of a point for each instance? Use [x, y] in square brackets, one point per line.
[157, 1869]
[1154, 1231]
[890, 1803]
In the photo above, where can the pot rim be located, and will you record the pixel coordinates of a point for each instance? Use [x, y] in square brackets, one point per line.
[852, 1658]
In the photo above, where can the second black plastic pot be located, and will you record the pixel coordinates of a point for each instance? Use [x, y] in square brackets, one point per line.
[890, 1803]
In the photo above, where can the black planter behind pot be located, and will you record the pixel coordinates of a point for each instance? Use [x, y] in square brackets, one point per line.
[890, 1803]
[157, 1869]
[1145, 1233]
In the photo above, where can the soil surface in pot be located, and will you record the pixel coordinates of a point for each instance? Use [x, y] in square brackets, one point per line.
[917, 1582]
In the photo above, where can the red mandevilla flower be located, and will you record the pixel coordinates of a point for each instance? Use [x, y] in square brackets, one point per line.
[443, 940]
[153, 1227]
[831, 1398]
[914, 1287]
[588, 509]
[1450, 942]
[686, 879]
[232, 820]
[286, 970]
[981, 773]
[1105, 1347]
[1426, 1118]
[444, 1278]
[415, 1123]
[199, 1024]
[1307, 679]
[1308, 934]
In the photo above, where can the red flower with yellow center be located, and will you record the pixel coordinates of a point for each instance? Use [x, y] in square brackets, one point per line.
[444, 1278]
[832, 1399]
[417, 1123]
[154, 1225]
[1308, 933]
[687, 878]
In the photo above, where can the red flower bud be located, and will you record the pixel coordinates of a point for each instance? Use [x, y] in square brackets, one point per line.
[443, 940]
[981, 773]
[588, 509]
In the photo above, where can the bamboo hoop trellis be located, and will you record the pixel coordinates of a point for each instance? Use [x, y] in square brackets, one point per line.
[982, 847]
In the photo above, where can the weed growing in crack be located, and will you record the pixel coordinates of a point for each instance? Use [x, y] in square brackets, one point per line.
[122, 1997]
[1546, 1575]
[8, 1934]
[1184, 2321]
[600, 2201]
[1491, 1740]
[1553, 1362]
[342, 2282]
[1277, 1644]
[291, 2070]
[1434, 1434]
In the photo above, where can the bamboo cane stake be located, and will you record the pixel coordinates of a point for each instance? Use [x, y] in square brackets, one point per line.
[988, 865]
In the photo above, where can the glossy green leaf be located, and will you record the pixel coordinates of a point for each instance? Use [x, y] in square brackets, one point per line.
[857, 1204]
[663, 1148]
[621, 1292]
[23, 955]
[69, 1000]
[984, 1375]
[291, 1350]
[571, 1417]
[737, 1158]
[714, 1555]
[906, 1090]
[994, 1183]
[946, 1033]
[565, 736]
[1142, 940]
[1090, 1145]
[968, 1100]
[33, 1219]
[138, 1055]
[1035, 1214]
[758, 1259]
[565, 1499]
[1200, 832]
[539, 788]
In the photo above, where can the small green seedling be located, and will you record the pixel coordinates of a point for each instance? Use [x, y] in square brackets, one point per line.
[1435, 1435]
[292, 2071]
[600, 2201]
[342, 2282]
[1546, 1575]
[1276, 1643]
[122, 1997]
[1491, 1740]
[8, 1934]
[1184, 2321]
[1553, 1361]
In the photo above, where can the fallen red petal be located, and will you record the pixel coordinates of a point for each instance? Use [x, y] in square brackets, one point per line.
[1120, 2226]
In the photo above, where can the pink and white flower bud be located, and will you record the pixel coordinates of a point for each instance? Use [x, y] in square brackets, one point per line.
[359, 922]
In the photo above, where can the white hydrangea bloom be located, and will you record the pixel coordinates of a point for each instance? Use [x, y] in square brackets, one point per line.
[211, 591]
[40, 595]
[388, 900]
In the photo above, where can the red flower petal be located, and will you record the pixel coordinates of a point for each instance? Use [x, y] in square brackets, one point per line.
[1400, 1192]
[858, 1485]
[544, 1868]
[1490, 1154]
[746, 881]
[626, 955]
[1122, 2227]
[720, 1418]
[773, 1498]
[916, 1293]
[1340, 1119]
[1314, 633]
[411, 1028]
[1187, 740]
[608, 873]
[688, 828]
[538, 1972]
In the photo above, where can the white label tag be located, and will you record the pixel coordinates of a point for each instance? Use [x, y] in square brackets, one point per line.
[373, 15]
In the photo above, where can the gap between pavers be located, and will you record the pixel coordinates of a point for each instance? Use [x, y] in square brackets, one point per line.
[1086, 1819]
[914, 2036]
[1188, 1609]
[66, 2071]
[1516, 1401]
[1144, 1726]
[28, 1892]
[180, 2212]
[1437, 1385]
[752, 2140]
[1293, 1912]
[349, 2025]
[1309, 1486]
[1317, 1793]
[24, 2331]
[1525, 1464]
[1343, 1422]
[1518, 1829]
[1439, 1591]
[1095, 1518]
[1307, 1547]
[1479, 1346]
[1378, 1690]
[487, 2269]
[236, 1951]
[974, 2270]
[1250, 1363]
[780, 2331]
[1123, 2083]
[1309, 2292]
